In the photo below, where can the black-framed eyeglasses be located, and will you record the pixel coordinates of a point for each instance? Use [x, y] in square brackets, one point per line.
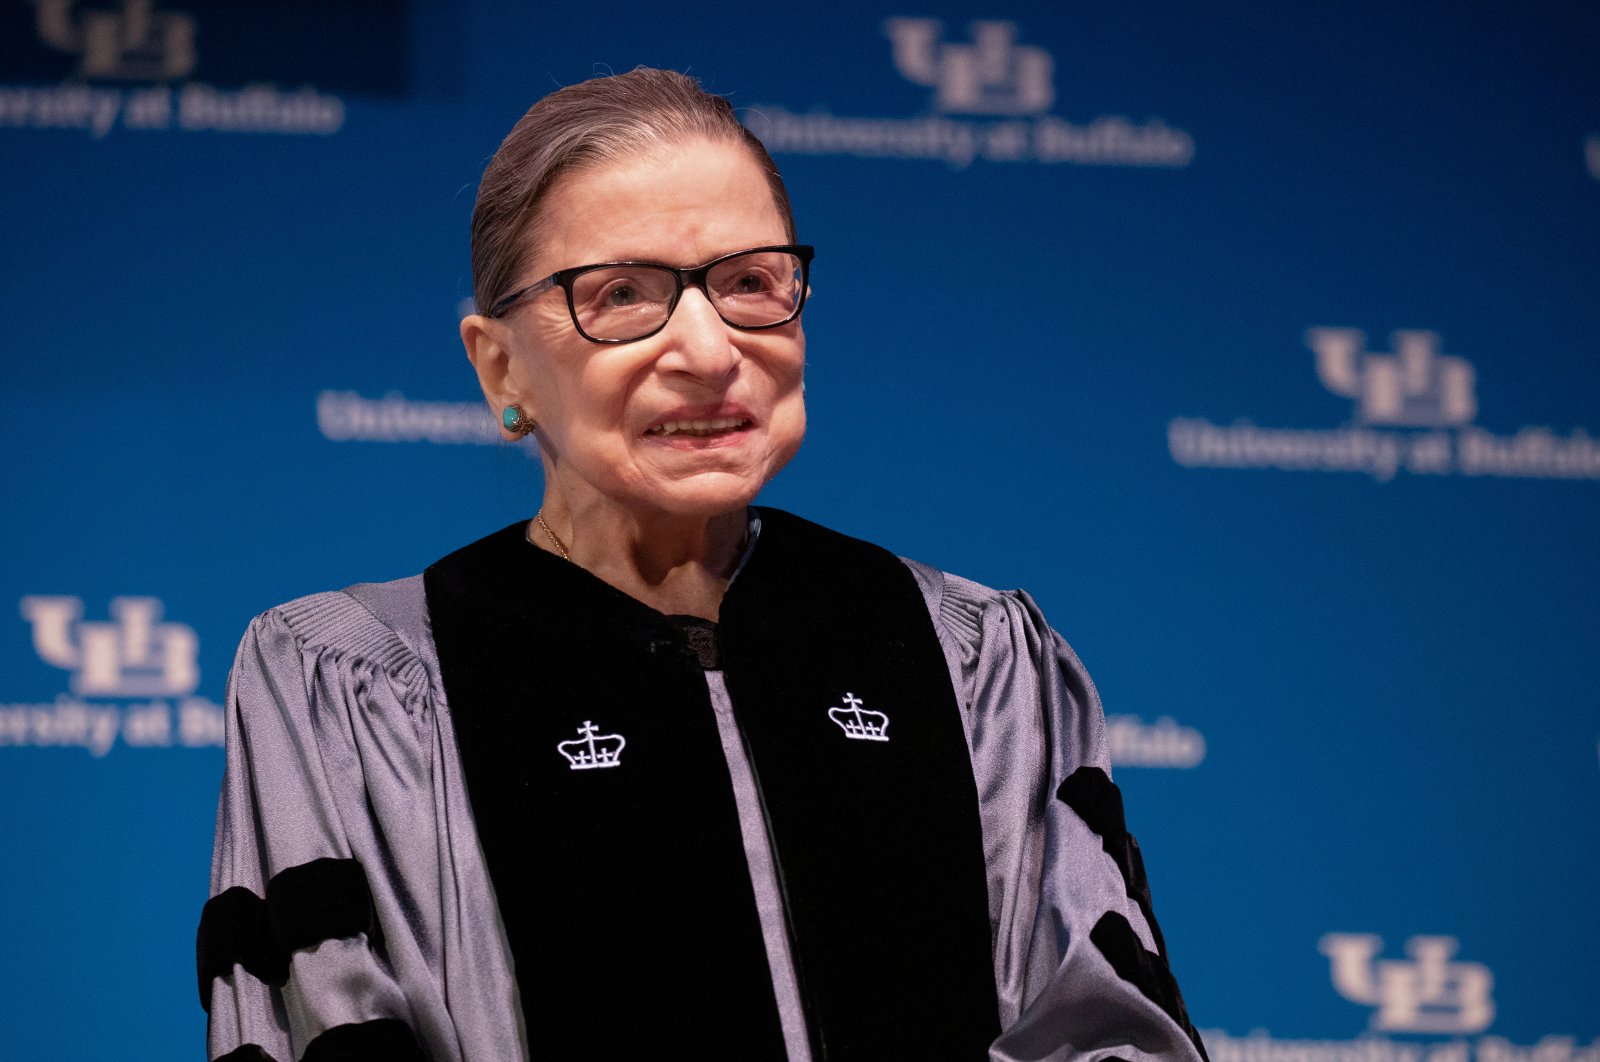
[620, 302]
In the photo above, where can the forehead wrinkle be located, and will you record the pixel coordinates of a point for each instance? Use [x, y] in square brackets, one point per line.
[683, 205]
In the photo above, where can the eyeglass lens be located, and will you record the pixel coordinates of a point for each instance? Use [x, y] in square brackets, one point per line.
[624, 302]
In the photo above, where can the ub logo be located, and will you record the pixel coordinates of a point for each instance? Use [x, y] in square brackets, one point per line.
[1413, 386]
[135, 655]
[992, 75]
[133, 43]
[1428, 994]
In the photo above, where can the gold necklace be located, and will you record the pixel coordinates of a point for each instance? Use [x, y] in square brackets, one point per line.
[538, 518]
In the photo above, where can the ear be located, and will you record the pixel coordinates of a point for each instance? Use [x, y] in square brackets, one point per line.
[488, 344]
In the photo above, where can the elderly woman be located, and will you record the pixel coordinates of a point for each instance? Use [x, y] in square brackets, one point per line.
[656, 772]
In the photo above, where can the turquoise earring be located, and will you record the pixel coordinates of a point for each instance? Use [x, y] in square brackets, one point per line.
[516, 421]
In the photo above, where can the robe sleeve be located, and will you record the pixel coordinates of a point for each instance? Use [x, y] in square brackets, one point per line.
[338, 902]
[1080, 966]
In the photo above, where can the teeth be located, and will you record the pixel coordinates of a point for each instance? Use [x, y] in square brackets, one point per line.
[699, 427]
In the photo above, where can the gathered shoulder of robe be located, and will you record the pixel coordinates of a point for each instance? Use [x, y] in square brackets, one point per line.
[389, 868]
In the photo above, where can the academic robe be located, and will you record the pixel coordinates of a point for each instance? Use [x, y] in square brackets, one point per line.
[354, 914]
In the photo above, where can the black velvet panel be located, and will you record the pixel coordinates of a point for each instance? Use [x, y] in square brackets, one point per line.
[381, 1040]
[879, 845]
[325, 899]
[624, 890]
[1123, 949]
[234, 931]
[246, 1053]
[1146, 971]
[1097, 800]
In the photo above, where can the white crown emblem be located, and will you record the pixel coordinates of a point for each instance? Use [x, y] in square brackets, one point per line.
[593, 750]
[859, 725]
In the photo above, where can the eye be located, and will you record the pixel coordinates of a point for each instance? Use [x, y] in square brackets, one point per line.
[619, 295]
[748, 281]
[621, 289]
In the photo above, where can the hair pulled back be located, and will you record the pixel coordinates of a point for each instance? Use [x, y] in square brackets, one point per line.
[602, 121]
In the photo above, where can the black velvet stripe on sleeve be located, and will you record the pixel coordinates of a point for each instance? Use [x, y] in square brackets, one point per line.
[325, 899]
[1098, 802]
[1117, 941]
[234, 931]
[1096, 799]
[246, 1053]
[381, 1040]
[1149, 973]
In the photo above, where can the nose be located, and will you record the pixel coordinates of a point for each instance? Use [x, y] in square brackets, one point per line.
[700, 344]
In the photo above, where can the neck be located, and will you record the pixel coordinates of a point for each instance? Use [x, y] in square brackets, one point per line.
[679, 565]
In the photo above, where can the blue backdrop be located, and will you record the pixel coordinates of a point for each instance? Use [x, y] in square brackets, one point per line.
[1257, 340]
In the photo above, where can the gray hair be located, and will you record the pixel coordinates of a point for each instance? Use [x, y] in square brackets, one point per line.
[594, 123]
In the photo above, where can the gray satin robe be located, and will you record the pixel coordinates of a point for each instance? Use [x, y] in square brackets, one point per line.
[340, 745]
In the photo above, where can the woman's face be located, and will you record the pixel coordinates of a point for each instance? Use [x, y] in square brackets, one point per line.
[615, 420]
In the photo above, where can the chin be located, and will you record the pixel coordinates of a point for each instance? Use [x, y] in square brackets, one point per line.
[713, 492]
[707, 499]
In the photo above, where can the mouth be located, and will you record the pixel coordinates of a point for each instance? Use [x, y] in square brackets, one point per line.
[699, 429]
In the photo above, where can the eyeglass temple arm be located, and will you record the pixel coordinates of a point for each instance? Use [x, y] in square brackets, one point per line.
[536, 288]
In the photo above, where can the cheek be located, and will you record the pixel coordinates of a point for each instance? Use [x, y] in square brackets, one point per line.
[610, 381]
[533, 366]
[787, 361]
[795, 429]
[788, 432]
[790, 406]
[573, 386]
